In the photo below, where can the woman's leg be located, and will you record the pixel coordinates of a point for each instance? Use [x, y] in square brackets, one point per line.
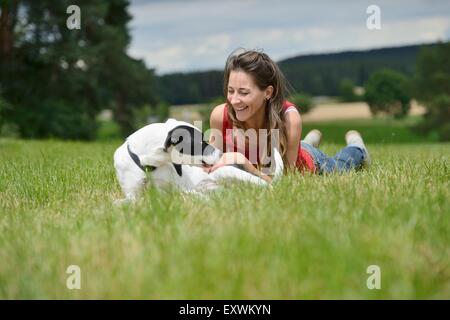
[348, 158]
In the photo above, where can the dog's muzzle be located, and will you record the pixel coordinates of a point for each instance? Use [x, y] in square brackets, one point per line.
[211, 155]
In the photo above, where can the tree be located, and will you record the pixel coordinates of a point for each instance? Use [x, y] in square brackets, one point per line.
[303, 101]
[432, 88]
[8, 20]
[128, 82]
[437, 117]
[347, 90]
[56, 79]
[5, 128]
[387, 91]
[45, 75]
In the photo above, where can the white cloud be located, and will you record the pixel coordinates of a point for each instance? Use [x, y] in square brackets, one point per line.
[179, 56]
[184, 36]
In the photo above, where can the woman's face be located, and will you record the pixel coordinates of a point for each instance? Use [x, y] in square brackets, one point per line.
[245, 97]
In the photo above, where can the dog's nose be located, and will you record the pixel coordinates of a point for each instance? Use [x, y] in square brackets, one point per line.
[217, 155]
[211, 154]
[208, 150]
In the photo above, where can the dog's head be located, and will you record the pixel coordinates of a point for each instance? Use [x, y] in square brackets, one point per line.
[186, 145]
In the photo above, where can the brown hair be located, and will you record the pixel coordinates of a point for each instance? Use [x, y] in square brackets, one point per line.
[264, 72]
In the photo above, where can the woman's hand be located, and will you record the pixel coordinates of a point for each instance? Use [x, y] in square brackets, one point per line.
[227, 159]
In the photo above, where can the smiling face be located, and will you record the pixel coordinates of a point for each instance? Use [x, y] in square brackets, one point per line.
[246, 98]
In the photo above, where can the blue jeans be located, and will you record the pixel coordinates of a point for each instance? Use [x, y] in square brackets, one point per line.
[348, 158]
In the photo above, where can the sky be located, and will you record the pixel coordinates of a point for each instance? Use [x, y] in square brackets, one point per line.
[196, 35]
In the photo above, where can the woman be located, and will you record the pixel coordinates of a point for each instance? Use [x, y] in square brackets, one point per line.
[254, 88]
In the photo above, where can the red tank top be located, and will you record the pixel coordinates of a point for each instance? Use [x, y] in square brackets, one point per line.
[304, 159]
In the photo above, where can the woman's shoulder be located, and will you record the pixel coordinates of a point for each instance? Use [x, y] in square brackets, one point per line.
[289, 106]
[217, 115]
[219, 109]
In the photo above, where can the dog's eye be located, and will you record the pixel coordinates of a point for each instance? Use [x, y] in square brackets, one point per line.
[175, 140]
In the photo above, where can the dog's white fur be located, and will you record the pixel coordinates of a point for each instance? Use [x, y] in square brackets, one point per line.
[148, 144]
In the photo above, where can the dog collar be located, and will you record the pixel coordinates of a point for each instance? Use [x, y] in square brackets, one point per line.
[138, 162]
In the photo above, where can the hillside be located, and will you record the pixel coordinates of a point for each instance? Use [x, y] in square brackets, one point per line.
[315, 74]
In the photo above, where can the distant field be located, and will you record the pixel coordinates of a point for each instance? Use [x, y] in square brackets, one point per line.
[308, 237]
[324, 112]
[348, 111]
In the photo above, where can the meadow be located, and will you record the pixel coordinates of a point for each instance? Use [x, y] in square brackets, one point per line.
[308, 237]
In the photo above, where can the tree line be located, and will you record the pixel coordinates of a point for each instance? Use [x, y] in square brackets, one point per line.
[317, 75]
[54, 81]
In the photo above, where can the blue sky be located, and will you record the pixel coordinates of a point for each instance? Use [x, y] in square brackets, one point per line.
[173, 36]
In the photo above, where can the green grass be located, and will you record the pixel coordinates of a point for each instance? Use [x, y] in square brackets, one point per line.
[308, 237]
[379, 130]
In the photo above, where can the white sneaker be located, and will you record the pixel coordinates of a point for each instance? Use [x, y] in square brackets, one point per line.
[353, 137]
[314, 137]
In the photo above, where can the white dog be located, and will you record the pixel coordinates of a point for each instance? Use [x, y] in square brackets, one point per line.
[172, 153]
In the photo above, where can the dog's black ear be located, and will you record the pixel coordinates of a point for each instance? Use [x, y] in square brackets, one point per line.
[178, 169]
[171, 139]
[168, 141]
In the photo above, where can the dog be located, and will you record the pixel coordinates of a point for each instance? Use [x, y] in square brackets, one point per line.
[173, 153]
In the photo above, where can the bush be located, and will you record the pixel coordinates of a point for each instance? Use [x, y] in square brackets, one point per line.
[437, 117]
[108, 130]
[386, 91]
[53, 118]
[432, 89]
[205, 111]
[303, 101]
[150, 114]
[3, 112]
[347, 91]
[162, 111]
[7, 129]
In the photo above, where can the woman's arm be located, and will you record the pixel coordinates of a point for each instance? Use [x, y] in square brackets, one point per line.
[229, 158]
[293, 122]
[215, 124]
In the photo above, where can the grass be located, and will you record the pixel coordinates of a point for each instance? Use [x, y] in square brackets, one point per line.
[308, 237]
[379, 130]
